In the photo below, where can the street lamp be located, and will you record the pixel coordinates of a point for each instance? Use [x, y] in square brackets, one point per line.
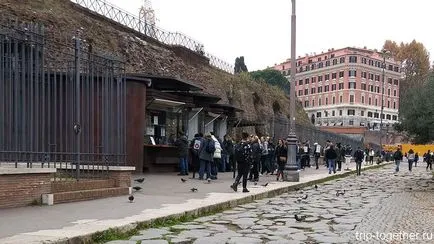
[384, 53]
[291, 173]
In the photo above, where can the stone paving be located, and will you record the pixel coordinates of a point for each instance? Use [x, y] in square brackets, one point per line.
[376, 202]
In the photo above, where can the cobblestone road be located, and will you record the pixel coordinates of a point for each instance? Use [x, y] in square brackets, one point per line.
[377, 207]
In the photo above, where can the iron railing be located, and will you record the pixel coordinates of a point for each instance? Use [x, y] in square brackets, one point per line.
[105, 9]
[62, 104]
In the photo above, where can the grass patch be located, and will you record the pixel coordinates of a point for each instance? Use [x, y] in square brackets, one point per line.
[119, 234]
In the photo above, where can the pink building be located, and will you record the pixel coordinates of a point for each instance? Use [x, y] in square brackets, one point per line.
[343, 87]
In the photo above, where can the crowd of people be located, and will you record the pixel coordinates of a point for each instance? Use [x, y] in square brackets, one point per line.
[254, 156]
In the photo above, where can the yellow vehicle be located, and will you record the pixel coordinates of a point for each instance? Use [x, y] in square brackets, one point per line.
[420, 149]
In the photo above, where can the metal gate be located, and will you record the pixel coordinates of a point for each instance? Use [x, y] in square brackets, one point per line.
[62, 103]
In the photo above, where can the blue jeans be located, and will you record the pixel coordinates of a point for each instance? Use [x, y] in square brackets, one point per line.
[224, 161]
[397, 162]
[332, 166]
[183, 165]
[205, 167]
[298, 159]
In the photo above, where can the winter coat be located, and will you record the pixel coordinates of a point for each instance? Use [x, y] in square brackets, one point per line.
[265, 148]
[281, 151]
[331, 154]
[182, 145]
[228, 146]
[218, 148]
[203, 154]
[256, 151]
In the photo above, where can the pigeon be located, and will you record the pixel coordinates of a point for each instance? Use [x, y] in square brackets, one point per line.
[304, 197]
[301, 218]
[265, 185]
[140, 180]
[299, 199]
[338, 192]
[255, 183]
[193, 189]
[137, 188]
[131, 198]
[316, 187]
[183, 180]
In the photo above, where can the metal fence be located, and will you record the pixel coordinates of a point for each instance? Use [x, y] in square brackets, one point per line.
[61, 104]
[101, 7]
[279, 128]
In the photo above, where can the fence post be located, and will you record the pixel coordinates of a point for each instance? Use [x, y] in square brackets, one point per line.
[77, 128]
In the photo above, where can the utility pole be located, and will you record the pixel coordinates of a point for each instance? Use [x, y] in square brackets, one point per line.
[291, 173]
[384, 52]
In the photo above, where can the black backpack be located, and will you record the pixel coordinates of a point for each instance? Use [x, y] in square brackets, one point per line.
[243, 152]
[210, 146]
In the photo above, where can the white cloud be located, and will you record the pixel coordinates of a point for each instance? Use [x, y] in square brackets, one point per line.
[260, 30]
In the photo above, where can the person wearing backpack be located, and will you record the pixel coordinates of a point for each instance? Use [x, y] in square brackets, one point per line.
[397, 156]
[358, 157]
[194, 152]
[256, 159]
[217, 157]
[243, 156]
[206, 154]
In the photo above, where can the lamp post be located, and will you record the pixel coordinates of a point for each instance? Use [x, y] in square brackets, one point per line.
[291, 173]
[384, 53]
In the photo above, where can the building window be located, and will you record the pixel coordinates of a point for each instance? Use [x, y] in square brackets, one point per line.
[319, 59]
[363, 100]
[371, 88]
[364, 86]
[351, 122]
[364, 75]
[376, 115]
[341, 86]
[327, 101]
[340, 112]
[334, 100]
[319, 102]
[351, 85]
[306, 92]
[394, 93]
[382, 116]
[363, 60]
[306, 104]
[334, 75]
[396, 69]
[333, 113]
[319, 89]
[351, 98]
[319, 78]
[388, 104]
[352, 73]
[334, 87]
[326, 88]
[327, 63]
[307, 68]
[327, 77]
[394, 117]
[389, 117]
[390, 67]
[341, 74]
[340, 99]
[353, 59]
[377, 88]
[388, 92]
[370, 114]
[335, 61]
[389, 80]
[351, 112]
[318, 114]
[371, 76]
[342, 60]
[306, 81]
[300, 82]
[313, 103]
[312, 66]
[370, 62]
[320, 65]
[377, 77]
[362, 113]
[395, 82]
[394, 105]
[300, 93]
[376, 102]
[313, 80]
[369, 101]
[312, 90]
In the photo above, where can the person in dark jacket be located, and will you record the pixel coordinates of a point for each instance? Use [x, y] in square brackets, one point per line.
[397, 156]
[194, 152]
[272, 155]
[331, 156]
[205, 157]
[182, 144]
[228, 149]
[243, 154]
[256, 157]
[281, 155]
[358, 157]
[340, 151]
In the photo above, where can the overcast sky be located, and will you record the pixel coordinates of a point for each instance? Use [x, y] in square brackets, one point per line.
[260, 30]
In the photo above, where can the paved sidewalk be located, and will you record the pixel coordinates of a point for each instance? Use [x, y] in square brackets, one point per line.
[162, 195]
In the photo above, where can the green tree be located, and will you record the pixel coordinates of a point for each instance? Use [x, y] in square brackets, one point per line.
[240, 66]
[417, 113]
[272, 77]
